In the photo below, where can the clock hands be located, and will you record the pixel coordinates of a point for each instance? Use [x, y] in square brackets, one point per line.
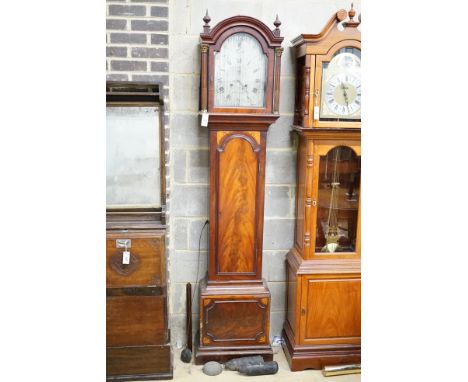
[345, 94]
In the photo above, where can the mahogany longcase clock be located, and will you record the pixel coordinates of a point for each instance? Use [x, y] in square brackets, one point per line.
[323, 322]
[240, 81]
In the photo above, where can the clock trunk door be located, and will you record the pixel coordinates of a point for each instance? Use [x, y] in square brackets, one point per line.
[236, 222]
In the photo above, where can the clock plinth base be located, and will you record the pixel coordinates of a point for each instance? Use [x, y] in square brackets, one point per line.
[234, 321]
[301, 357]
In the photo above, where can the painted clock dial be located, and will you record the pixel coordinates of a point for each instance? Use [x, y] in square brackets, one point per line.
[341, 87]
[240, 73]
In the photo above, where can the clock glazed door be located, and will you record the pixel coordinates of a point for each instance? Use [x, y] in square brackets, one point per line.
[335, 222]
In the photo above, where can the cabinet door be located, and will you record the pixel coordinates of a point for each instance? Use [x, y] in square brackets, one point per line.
[331, 309]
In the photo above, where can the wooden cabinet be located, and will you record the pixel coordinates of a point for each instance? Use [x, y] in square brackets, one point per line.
[137, 330]
[323, 322]
[137, 333]
[240, 67]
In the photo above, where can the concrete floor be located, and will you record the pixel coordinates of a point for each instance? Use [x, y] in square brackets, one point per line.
[193, 373]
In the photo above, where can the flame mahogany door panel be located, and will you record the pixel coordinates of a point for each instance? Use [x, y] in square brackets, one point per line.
[238, 167]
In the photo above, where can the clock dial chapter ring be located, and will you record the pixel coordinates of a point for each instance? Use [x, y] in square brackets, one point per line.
[343, 94]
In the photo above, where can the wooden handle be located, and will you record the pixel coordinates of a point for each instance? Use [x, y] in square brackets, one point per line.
[188, 290]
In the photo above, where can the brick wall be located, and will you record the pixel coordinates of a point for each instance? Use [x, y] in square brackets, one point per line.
[137, 40]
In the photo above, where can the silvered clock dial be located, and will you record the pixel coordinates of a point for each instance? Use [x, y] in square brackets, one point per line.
[341, 87]
[240, 73]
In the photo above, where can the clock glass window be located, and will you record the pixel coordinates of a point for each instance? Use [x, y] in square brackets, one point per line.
[240, 73]
[338, 201]
[341, 86]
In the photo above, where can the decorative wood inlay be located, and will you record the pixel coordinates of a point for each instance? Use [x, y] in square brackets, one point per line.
[255, 135]
[246, 323]
[221, 134]
[124, 269]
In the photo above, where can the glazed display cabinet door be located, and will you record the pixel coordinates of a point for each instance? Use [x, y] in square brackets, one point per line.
[331, 310]
[335, 218]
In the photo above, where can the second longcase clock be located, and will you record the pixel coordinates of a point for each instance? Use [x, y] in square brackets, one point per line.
[323, 322]
[240, 73]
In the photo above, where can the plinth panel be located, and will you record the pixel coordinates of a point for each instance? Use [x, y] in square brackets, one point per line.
[232, 320]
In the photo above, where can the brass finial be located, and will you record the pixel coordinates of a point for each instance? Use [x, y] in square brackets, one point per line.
[206, 19]
[277, 24]
[352, 12]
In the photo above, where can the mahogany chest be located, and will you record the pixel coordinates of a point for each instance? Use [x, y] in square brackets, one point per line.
[137, 331]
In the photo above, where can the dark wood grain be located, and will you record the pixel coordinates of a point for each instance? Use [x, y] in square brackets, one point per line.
[136, 320]
[151, 259]
[247, 320]
[238, 175]
[139, 362]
